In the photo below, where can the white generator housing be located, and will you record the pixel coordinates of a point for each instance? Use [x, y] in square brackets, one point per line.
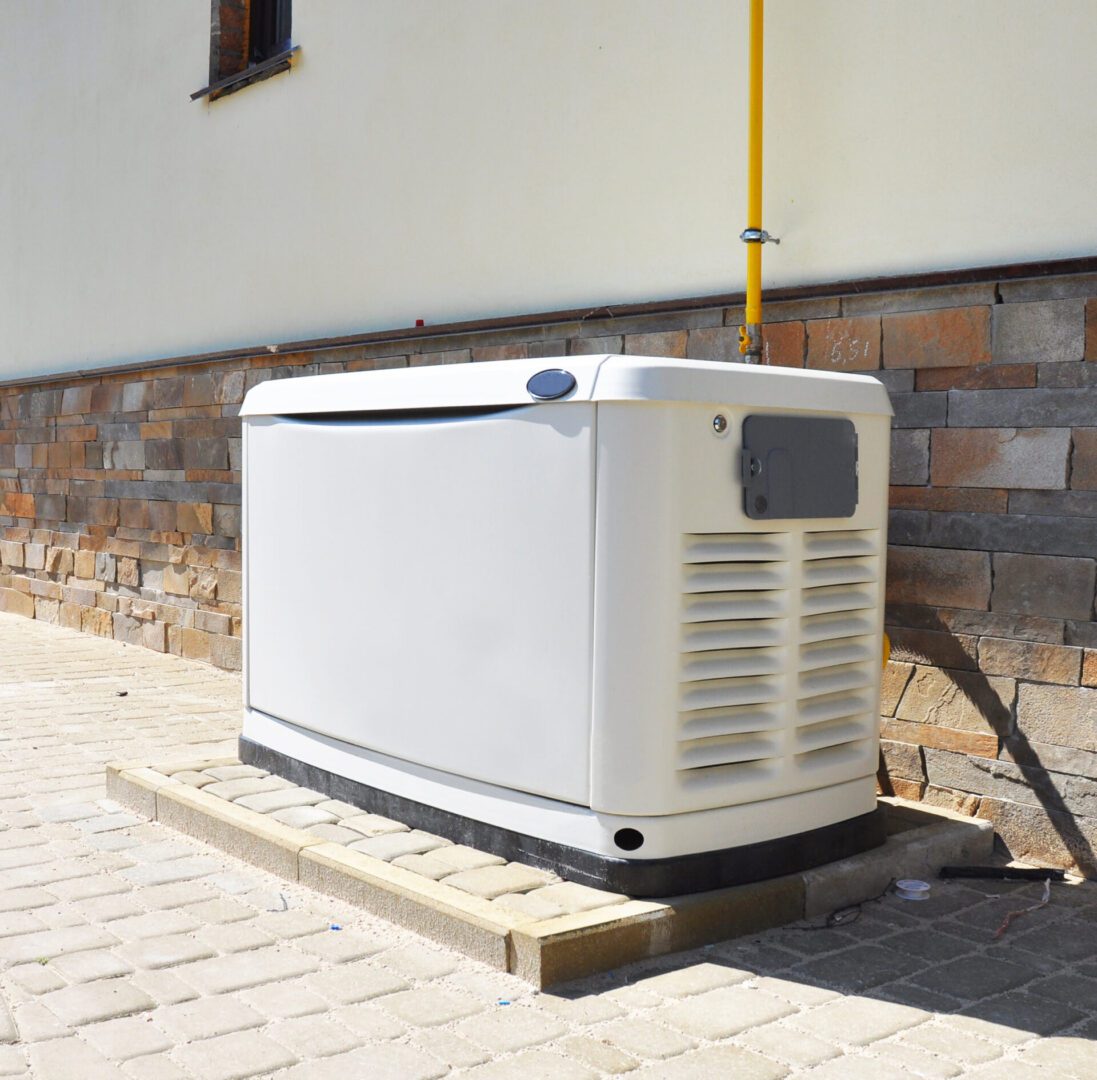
[547, 607]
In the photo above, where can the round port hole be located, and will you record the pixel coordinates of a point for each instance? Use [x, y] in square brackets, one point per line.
[628, 839]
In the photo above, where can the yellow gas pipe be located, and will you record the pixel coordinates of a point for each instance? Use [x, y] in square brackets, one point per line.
[754, 236]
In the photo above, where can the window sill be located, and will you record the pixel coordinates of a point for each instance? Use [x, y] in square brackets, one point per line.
[283, 61]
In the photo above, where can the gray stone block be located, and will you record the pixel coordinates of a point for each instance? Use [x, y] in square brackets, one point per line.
[944, 296]
[993, 532]
[1038, 331]
[1043, 585]
[919, 410]
[1022, 408]
[897, 380]
[1053, 287]
[1054, 503]
[1077, 373]
[1061, 759]
[909, 457]
[1061, 715]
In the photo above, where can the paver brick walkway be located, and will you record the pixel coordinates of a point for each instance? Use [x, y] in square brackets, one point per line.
[127, 950]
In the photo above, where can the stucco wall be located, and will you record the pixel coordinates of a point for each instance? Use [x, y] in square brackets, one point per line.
[434, 160]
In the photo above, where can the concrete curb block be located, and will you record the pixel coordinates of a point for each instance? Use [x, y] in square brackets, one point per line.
[549, 951]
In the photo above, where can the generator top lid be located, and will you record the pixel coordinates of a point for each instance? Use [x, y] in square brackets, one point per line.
[563, 379]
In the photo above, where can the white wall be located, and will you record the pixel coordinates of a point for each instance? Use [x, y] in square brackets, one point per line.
[444, 160]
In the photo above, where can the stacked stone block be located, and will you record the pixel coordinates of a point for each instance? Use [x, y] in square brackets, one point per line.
[120, 514]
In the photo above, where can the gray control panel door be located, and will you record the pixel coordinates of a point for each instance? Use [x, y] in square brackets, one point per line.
[799, 467]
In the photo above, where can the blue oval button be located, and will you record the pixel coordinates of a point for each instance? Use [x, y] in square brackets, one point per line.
[551, 384]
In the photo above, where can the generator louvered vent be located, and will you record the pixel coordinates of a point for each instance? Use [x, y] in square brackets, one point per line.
[734, 640]
[838, 647]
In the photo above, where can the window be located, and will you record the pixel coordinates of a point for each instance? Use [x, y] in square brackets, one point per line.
[249, 41]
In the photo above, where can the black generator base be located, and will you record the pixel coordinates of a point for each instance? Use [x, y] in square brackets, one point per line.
[639, 878]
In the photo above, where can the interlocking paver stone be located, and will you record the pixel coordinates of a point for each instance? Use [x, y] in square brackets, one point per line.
[313, 1036]
[162, 952]
[391, 1062]
[510, 1029]
[86, 1003]
[303, 817]
[859, 1021]
[235, 1057]
[249, 785]
[205, 1018]
[126, 1038]
[351, 983]
[721, 1013]
[267, 802]
[724, 1062]
[492, 881]
[223, 974]
[391, 845]
[427, 1007]
[644, 1039]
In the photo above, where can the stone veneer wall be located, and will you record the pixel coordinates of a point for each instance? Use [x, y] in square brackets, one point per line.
[120, 516]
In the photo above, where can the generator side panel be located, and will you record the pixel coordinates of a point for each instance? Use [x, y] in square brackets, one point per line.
[422, 588]
[737, 657]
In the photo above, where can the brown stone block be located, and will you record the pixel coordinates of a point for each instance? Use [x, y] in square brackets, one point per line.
[78, 433]
[844, 344]
[935, 647]
[1061, 715]
[59, 455]
[671, 343]
[84, 564]
[714, 343]
[960, 802]
[902, 759]
[129, 572]
[226, 652]
[1089, 668]
[1091, 330]
[69, 615]
[512, 351]
[194, 644]
[1083, 460]
[1030, 660]
[205, 585]
[1050, 585]
[16, 603]
[445, 356]
[11, 553]
[900, 787]
[949, 499]
[977, 743]
[106, 398]
[944, 338]
[76, 399]
[17, 504]
[195, 517]
[177, 580]
[942, 576]
[228, 585]
[96, 621]
[893, 682]
[133, 513]
[990, 377]
[783, 344]
[1044, 836]
[1000, 457]
[959, 700]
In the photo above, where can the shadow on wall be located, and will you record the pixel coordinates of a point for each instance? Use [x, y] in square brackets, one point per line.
[1040, 826]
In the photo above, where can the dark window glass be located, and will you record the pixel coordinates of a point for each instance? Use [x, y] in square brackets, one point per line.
[269, 30]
